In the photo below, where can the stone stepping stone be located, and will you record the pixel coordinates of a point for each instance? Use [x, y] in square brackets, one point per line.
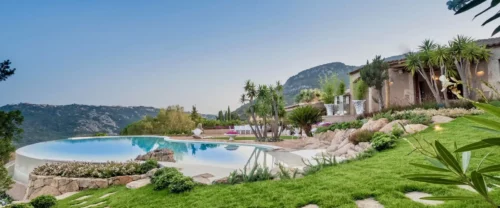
[138, 184]
[369, 203]
[311, 206]
[66, 195]
[106, 195]
[94, 205]
[83, 197]
[415, 196]
[468, 188]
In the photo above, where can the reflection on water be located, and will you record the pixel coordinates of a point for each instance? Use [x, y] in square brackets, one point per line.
[127, 148]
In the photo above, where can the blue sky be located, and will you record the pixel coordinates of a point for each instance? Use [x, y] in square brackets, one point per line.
[160, 53]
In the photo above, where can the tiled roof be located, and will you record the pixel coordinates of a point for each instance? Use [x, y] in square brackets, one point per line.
[490, 42]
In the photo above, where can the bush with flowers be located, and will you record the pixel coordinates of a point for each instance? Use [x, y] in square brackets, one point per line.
[94, 170]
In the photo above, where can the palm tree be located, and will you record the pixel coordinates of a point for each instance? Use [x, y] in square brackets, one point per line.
[426, 51]
[304, 117]
[464, 52]
[441, 57]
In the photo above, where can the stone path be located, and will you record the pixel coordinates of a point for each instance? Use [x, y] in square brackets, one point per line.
[94, 205]
[468, 188]
[139, 183]
[311, 206]
[106, 195]
[83, 197]
[66, 195]
[415, 196]
[369, 203]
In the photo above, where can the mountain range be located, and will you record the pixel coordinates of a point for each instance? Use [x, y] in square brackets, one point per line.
[52, 122]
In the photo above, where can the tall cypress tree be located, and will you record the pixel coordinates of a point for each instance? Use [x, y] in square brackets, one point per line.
[228, 113]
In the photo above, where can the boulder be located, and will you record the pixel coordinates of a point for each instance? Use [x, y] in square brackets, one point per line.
[138, 184]
[46, 190]
[414, 128]
[69, 187]
[441, 119]
[388, 127]
[122, 180]
[165, 155]
[151, 172]
[375, 125]
[351, 153]
[220, 181]
[343, 150]
[326, 136]
[364, 145]
[312, 143]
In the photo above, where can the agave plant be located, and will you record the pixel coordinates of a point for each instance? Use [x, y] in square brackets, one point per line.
[304, 117]
[453, 168]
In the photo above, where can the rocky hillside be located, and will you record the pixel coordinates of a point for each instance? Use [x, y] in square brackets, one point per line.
[309, 78]
[51, 122]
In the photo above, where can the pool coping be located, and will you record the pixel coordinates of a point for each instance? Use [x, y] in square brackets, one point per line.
[270, 147]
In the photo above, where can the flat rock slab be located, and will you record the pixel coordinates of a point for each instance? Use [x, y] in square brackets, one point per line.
[106, 195]
[441, 119]
[66, 195]
[369, 203]
[415, 196]
[138, 184]
[17, 191]
[83, 197]
[311, 206]
[94, 205]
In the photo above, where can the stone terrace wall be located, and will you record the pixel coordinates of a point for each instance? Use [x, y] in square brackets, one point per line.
[55, 185]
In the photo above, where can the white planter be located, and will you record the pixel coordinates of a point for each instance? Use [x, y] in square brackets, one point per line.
[359, 106]
[231, 136]
[329, 109]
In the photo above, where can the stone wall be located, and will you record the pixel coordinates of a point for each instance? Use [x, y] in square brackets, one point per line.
[55, 185]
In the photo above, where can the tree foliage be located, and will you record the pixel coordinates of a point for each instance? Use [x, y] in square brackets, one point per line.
[9, 131]
[329, 86]
[460, 6]
[308, 95]
[170, 121]
[375, 74]
[266, 108]
[195, 116]
[304, 117]
[5, 70]
[360, 90]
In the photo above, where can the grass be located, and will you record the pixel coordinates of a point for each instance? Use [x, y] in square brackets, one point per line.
[339, 186]
[251, 137]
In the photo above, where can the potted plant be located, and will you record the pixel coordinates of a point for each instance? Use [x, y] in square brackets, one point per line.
[360, 89]
[328, 85]
[231, 133]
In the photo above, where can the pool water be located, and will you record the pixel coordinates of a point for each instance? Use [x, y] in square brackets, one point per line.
[123, 149]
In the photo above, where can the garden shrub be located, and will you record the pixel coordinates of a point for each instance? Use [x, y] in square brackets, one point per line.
[180, 183]
[90, 170]
[257, 173]
[397, 131]
[148, 165]
[361, 136]
[382, 141]
[19, 206]
[341, 126]
[172, 179]
[43, 201]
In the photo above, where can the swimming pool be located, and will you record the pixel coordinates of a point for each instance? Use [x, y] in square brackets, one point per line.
[121, 149]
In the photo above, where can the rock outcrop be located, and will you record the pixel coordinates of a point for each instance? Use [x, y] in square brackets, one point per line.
[388, 127]
[414, 128]
[164, 155]
[375, 125]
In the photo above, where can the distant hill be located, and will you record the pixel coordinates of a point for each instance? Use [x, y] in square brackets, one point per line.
[52, 122]
[309, 78]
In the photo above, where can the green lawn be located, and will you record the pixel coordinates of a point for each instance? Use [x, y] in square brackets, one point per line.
[378, 177]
